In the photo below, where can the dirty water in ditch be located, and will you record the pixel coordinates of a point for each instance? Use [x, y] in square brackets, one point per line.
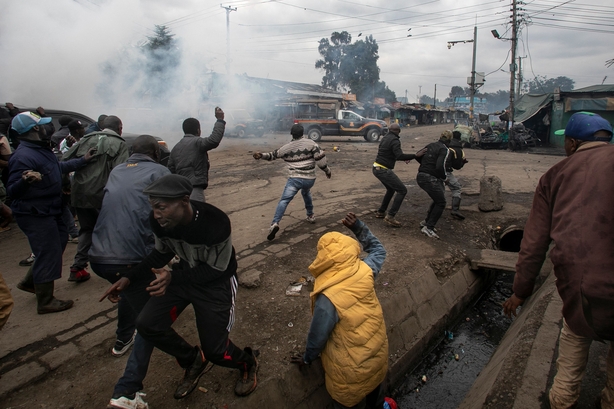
[446, 374]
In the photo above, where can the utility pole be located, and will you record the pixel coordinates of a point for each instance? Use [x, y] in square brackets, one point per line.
[475, 45]
[419, 92]
[435, 97]
[228, 10]
[519, 77]
[513, 64]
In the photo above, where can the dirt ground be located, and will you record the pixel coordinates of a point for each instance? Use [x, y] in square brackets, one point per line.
[267, 319]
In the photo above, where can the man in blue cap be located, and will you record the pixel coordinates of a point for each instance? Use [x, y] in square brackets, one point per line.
[572, 207]
[35, 185]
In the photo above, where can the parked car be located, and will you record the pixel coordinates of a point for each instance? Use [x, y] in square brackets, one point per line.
[240, 123]
[55, 114]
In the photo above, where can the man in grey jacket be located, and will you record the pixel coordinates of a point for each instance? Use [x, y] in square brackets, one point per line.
[189, 157]
[121, 239]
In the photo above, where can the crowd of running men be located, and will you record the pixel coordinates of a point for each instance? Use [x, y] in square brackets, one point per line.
[147, 230]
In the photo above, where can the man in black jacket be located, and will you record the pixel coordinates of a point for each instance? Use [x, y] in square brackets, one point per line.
[388, 153]
[431, 177]
[189, 157]
[456, 160]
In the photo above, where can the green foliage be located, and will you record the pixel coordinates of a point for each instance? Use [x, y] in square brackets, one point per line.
[352, 66]
[457, 91]
[543, 85]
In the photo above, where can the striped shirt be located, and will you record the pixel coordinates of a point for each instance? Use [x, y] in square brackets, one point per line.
[301, 155]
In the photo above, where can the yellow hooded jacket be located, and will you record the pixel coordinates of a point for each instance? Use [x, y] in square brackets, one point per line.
[355, 358]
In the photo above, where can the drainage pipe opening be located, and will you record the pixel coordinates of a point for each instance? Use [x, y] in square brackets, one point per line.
[510, 239]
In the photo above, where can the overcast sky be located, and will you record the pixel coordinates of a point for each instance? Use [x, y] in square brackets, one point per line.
[52, 51]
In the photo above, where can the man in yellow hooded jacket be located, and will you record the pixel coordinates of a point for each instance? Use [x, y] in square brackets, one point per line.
[348, 327]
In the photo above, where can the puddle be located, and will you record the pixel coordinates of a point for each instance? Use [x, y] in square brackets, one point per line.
[453, 365]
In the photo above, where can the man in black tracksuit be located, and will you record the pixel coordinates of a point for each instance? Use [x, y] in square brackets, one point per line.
[431, 177]
[388, 153]
[456, 160]
[199, 234]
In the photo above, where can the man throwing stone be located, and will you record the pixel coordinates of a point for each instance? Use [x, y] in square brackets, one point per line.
[302, 155]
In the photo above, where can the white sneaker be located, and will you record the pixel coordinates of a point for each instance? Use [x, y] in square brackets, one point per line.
[429, 233]
[126, 403]
[423, 224]
[311, 219]
[120, 348]
[272, 231]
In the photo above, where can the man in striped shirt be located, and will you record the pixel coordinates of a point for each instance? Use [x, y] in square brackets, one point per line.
[302, 155]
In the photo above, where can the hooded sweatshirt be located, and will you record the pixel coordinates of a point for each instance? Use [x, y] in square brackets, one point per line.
[355, 357]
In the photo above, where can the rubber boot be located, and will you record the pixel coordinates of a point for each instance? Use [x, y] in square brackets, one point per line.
[456, 201]
[27, 283]
[46, 302]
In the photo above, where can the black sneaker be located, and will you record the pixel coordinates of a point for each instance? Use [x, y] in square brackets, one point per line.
[27, 261]
[192, 375]
[248, 381]
[120, 347]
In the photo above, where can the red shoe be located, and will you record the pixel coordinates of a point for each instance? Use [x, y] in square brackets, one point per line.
[78, 276]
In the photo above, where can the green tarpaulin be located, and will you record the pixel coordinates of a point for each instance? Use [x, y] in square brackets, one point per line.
[528, 105]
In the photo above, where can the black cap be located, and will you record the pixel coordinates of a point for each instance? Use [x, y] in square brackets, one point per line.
[64, 120]
[297, 130]
[170, 187]
[74, 125]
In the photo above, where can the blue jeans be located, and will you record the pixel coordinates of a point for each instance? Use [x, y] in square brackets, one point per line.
[293, 185]
[132, 301]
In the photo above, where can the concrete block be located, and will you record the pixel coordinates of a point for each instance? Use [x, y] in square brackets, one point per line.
[97, 322]
[71, 334]
[423, 288]
[112, 314]
[283, 253]
[397, 307]
[410, 330]
[454, 288]
[60, 355]
[250, 278]
[275, 248]
[426, 316]
[320, 230]
[470, 276]
[21, 376]
[395, 340]
[439, 305]
[298, 239]
[250, 260]
[97, 336]
[491, 197]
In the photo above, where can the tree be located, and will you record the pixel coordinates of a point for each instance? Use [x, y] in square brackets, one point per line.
[332, 52]
[457, 91]
[162, 57]
[352, 66]
[543, 85]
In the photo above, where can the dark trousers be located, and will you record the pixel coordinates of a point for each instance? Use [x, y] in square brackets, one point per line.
[87, 222]
[393, 184]
[374, 400]
[214, 309]
[47, 236]
[435, 188]
[133, 299]
[69, 220]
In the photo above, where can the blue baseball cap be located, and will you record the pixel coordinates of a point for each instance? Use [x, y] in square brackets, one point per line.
[25, 121]
[584, 125]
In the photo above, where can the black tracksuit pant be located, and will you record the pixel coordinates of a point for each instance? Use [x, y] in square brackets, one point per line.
[214, 305]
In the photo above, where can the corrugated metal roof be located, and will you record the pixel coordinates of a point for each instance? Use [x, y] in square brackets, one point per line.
[595, 88]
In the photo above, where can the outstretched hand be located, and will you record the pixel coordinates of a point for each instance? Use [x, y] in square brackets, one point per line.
[511, 305]
[421, 153]
[113, 292]
[257, 155]
[157, 287]
[350, 220]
